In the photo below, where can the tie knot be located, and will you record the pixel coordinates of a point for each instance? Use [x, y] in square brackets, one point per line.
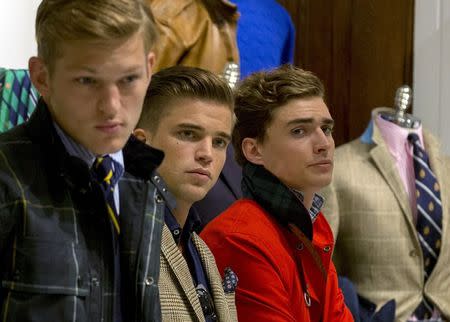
[106, 171]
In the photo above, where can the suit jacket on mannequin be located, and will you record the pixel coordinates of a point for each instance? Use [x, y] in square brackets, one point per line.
[376, 240]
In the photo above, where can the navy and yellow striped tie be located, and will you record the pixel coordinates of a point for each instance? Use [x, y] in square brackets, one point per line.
[107, 173]
[429, 216]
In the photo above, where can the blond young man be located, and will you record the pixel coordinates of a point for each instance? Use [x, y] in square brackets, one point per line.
[72, 247]
[188, 114]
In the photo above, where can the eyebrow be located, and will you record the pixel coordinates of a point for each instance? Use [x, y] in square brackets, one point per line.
[310, 120]
[190, 126]
[131, 70]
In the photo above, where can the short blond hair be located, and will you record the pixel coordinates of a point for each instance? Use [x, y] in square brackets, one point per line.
[58, 21]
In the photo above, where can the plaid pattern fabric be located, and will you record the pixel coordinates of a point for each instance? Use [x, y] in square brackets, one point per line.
[370, 213]
[54, 246]
[316, 206]
[277, 199]
[18, 97]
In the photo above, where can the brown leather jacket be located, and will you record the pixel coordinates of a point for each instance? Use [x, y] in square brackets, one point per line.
[189, 37]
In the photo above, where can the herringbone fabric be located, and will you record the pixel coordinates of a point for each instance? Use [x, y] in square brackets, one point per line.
[18, 97]
[179, 300]
[429, 216]
[107, 172]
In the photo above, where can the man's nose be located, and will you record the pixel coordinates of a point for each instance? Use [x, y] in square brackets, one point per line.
[204, 150]
[110, 100]
[322, 142]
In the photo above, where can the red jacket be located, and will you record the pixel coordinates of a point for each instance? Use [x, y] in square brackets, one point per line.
[274, 266]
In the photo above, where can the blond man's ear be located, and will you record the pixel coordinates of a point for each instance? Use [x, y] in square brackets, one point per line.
[39, 76]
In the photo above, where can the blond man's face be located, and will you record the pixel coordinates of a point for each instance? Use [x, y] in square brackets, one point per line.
[95, 91]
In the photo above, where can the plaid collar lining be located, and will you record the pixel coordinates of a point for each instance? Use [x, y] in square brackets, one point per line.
[277, 199]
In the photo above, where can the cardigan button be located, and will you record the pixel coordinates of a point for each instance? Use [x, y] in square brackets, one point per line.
[299, 246]
[326, 249]
[413, 253]
[149, 281]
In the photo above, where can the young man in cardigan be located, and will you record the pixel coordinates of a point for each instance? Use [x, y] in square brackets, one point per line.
[188, 114]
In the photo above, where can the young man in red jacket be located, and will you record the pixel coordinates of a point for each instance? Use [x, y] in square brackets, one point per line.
[276, 239]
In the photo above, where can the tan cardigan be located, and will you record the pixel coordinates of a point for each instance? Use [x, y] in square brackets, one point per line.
[179, 301]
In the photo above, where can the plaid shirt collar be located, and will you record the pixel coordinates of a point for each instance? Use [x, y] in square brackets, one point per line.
[316, 206]
[277, 199]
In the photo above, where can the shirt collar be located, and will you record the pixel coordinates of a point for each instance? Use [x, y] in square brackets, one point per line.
[77, 150]
[316, 206]
[384, 126]
[277, 199]
[191, 225]
[396, 137]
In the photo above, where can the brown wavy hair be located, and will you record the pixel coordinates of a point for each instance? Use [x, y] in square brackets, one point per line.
[261, 93]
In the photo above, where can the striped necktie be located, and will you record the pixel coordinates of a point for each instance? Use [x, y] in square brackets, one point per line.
[107, 173]
[429, 216]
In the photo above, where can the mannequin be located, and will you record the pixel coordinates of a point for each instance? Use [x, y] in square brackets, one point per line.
[371, 204]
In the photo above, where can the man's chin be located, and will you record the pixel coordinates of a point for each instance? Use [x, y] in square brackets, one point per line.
[198, 195]
[103, 148]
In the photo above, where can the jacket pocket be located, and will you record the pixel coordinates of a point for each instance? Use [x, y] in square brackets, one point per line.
[231, 301]
[47, 281]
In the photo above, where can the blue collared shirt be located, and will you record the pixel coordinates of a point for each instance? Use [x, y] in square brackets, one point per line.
[79, 151]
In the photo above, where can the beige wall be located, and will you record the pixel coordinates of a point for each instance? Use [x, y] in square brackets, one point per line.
[17, 32]
[432, 67]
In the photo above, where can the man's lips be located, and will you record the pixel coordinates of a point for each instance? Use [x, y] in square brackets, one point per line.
[200, 172]
[111, 126]
[321, 163]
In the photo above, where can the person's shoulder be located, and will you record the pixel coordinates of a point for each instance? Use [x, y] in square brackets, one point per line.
[353, 152]
[185, 19]
[166, 11]
[354, 145]
[15, 142]
[243, 217]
